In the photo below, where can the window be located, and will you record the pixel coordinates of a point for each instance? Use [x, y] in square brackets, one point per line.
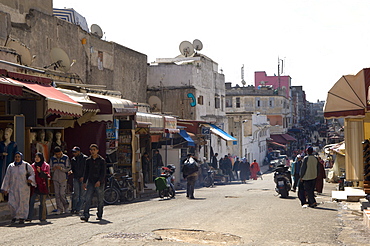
[217, 102]
[200, 100]
[238, 102]
[229, 102]
[258, 102]
[271, 102]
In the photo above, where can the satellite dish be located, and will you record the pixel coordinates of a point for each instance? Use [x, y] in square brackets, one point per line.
[60, 59]
[197, 44]
[96, 30]
[243, 82]
[155, 104]
[23, 51]
[186, 48]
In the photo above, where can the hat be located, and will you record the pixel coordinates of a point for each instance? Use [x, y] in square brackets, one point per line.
[299, 156]
[76, 148]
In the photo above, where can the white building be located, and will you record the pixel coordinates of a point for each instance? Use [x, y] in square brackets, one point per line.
[190, 88]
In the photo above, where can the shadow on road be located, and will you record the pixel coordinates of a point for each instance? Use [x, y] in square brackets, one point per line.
[329, 209]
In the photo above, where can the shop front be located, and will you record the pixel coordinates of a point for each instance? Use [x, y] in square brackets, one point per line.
[349, 99]
[28, 106]
[120, 142]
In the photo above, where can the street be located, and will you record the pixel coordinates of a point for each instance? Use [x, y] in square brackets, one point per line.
[234, 214]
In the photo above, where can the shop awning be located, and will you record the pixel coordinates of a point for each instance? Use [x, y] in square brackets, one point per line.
[282, 138]
[347, 98]
[221, 133]
[9, 88]
[186, 136]
[57, 102]
[113, 105]
[82, 98]
[277, 144]
[156, 126]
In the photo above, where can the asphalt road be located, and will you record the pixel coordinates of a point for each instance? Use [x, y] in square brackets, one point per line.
[234, 214]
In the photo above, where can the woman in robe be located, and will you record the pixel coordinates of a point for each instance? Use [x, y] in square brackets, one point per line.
[42, 174]
[15, 184]
[255, 168]
[244, 168]
[320, 177]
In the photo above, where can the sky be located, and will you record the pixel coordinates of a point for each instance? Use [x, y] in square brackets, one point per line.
[319, 40]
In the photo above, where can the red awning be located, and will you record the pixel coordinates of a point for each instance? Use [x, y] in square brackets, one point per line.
[9, 88]
[282, 138]
[288, 137]
[275, 143]
[57, 102]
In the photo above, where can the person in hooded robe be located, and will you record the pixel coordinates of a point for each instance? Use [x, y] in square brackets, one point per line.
[19, 175]
[42, 174]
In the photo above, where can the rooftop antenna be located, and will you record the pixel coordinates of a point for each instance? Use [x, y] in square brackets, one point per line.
[198, 46]
[24, 54]
[60, 60]
[279, 72]
[186, 48]
[242, 71]
[96, 30]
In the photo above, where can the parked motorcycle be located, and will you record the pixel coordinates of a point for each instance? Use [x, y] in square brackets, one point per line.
[119, 187]
[283, 180]
[165, 183]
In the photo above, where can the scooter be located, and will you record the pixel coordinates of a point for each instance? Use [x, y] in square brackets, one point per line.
[165, 183]
[119, 187]
[283, 180]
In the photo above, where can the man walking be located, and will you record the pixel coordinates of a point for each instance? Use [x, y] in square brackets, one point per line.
[190, 173]
[157, 163]
[309, 171]
[60, 166]
[93, 181]
[78, 163]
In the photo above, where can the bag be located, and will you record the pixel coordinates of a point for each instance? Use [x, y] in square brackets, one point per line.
[190, 166]
[27, 175]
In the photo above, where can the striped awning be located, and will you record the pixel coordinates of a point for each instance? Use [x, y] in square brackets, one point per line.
[57, 102]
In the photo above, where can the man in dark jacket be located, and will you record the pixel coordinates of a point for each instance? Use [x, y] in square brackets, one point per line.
[308, 175]
[190, 173]
[214, 161]
[78, 163]
[93, 181]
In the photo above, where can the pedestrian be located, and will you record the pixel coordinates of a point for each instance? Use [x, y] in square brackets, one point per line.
[157, 162]
[42, 175]
[146, 165]
[236, 168]
[17, 180]
[78, 163]
[320, 177]
[60, 166]
[244, 170]
[214, 161]
[221, 163]
[308, 175]
[190, 173]
[93, 182]
[228, 166]
[296, 168]
[255, 168]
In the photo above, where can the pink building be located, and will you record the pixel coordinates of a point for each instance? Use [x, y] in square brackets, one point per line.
[261, 78]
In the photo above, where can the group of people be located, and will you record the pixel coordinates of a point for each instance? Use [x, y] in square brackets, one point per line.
[308, 175]
[242, 169]
[24, 182]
